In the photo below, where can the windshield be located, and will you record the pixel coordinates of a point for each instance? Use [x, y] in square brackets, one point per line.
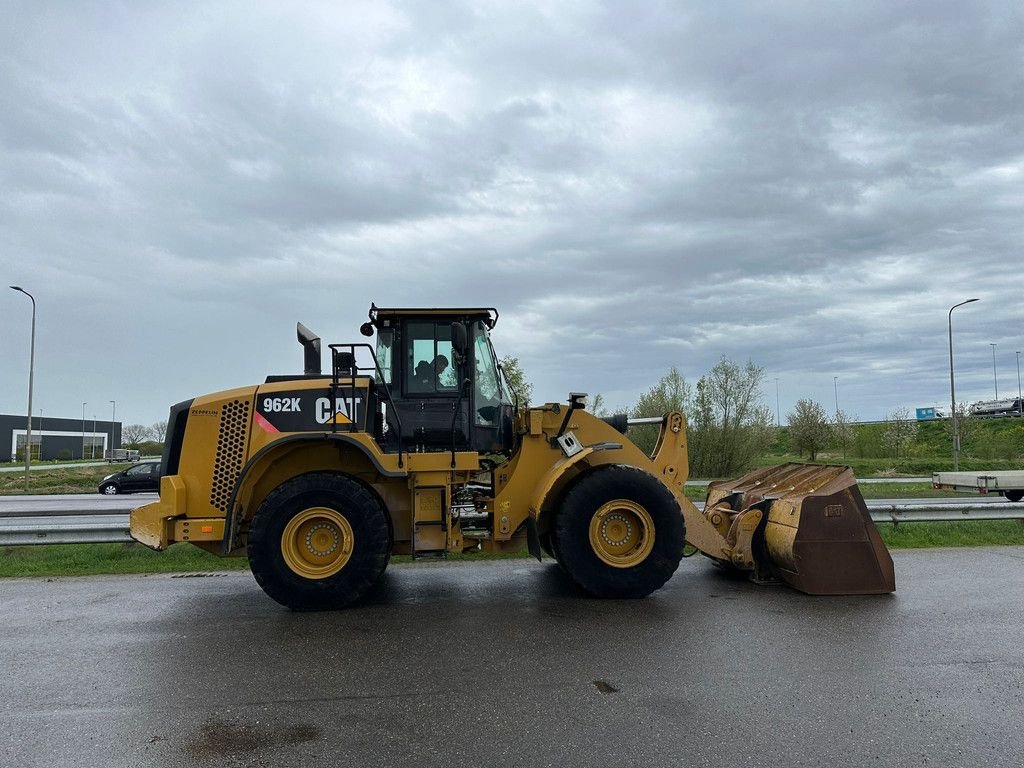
[489, 392]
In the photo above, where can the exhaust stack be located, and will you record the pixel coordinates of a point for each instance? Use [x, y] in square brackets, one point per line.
[311, 349]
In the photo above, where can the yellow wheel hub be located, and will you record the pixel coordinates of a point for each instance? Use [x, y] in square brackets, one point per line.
[622, 533]
[317, 542]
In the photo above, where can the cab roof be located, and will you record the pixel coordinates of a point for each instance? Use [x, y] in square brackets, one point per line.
[489, 315]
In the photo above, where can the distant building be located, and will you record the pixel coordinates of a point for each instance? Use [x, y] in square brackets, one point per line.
[55, 438]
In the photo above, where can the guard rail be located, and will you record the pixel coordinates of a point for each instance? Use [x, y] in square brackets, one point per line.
[108, 528]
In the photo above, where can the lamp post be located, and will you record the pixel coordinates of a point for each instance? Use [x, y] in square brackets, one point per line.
[92, 441]
[952, 389]
[40, 434]
[995, 381]
[835, 386]
[83, 430]
[31, 371]
[1020, 400]
[113, 418]
[778, 416]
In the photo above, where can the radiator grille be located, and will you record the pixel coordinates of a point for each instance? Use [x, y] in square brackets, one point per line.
[234, 420]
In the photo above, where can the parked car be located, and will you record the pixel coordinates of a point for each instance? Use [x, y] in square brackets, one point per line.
[144, 476]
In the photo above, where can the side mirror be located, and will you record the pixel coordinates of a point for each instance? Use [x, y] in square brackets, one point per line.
[459, 340]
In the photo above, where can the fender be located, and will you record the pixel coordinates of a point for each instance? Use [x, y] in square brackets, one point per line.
[231, 520]
[550, 484]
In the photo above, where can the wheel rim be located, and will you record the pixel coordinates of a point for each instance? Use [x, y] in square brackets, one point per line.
[317, 542]
[110, 490]
[622, 533]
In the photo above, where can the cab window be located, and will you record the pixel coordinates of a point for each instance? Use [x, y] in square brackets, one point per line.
[428, 349]
[488, 392]
[385, 339]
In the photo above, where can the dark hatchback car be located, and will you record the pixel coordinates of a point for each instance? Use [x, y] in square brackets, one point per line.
[136, 479]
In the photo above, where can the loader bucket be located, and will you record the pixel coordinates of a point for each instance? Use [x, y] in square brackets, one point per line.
[818, 536]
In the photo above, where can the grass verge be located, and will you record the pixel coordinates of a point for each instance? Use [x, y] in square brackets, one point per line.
[63, 480]
[94, 559]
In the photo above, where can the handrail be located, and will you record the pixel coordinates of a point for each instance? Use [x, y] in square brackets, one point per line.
[356, 369]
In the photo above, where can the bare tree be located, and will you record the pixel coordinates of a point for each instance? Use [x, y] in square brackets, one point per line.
[809, 429]
[598, 407]
[133, 434]
[158, 432]
[842, 431]
[900, 429]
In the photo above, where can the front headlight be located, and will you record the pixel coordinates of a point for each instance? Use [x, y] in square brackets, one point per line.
[106, 478]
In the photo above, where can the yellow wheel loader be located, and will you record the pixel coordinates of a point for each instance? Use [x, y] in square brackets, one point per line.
[414, 446]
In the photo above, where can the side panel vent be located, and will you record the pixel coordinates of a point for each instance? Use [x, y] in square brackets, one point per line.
[234, 423]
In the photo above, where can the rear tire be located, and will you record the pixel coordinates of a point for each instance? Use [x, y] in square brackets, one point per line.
[1013, 495]
[619, 532]
[319, 541]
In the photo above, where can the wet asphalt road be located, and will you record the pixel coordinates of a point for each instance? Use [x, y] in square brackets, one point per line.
[504, 663]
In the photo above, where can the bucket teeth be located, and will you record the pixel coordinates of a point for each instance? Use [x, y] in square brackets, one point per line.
[817, 534]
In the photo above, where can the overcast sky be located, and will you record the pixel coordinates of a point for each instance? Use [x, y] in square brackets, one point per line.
[635, 186]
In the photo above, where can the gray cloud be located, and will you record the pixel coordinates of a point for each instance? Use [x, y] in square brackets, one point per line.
[810, 187]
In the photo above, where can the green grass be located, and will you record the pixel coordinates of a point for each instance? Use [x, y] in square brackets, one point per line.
[64, 480]
[90, 559]
[93, 559]
[970, 533]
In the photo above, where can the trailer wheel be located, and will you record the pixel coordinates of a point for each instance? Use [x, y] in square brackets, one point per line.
[319, 541]
[1013, 495]
[619, 532]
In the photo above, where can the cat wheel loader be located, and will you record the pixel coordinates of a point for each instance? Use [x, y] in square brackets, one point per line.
[415, 446]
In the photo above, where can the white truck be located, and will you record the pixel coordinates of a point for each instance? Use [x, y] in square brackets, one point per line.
[120, 455]
[1009, 484]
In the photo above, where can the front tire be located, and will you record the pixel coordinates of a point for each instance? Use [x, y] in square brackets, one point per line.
[109, 489]
[619, 532]
[1014, 495]
[319, 541]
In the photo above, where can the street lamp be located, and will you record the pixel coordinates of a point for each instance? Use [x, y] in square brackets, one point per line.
[835, 386]
[92, 442]
[778, 417]
[1020, 400]
[995, 381]
[31, 371]
[952, 389]
[113, 418]
[83, 430]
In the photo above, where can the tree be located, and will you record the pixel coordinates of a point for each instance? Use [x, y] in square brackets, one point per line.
[966, 424]
[728, 425]
[158, 431]
[516, 378]
[809, 429]
[842, 431]
[133, 434]
[671, 393]
[900, 429]
[597, 406]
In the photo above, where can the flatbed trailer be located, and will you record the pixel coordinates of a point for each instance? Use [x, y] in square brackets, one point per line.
[1009, 484]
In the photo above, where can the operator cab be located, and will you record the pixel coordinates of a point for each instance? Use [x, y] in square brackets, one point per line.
[444, 380]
